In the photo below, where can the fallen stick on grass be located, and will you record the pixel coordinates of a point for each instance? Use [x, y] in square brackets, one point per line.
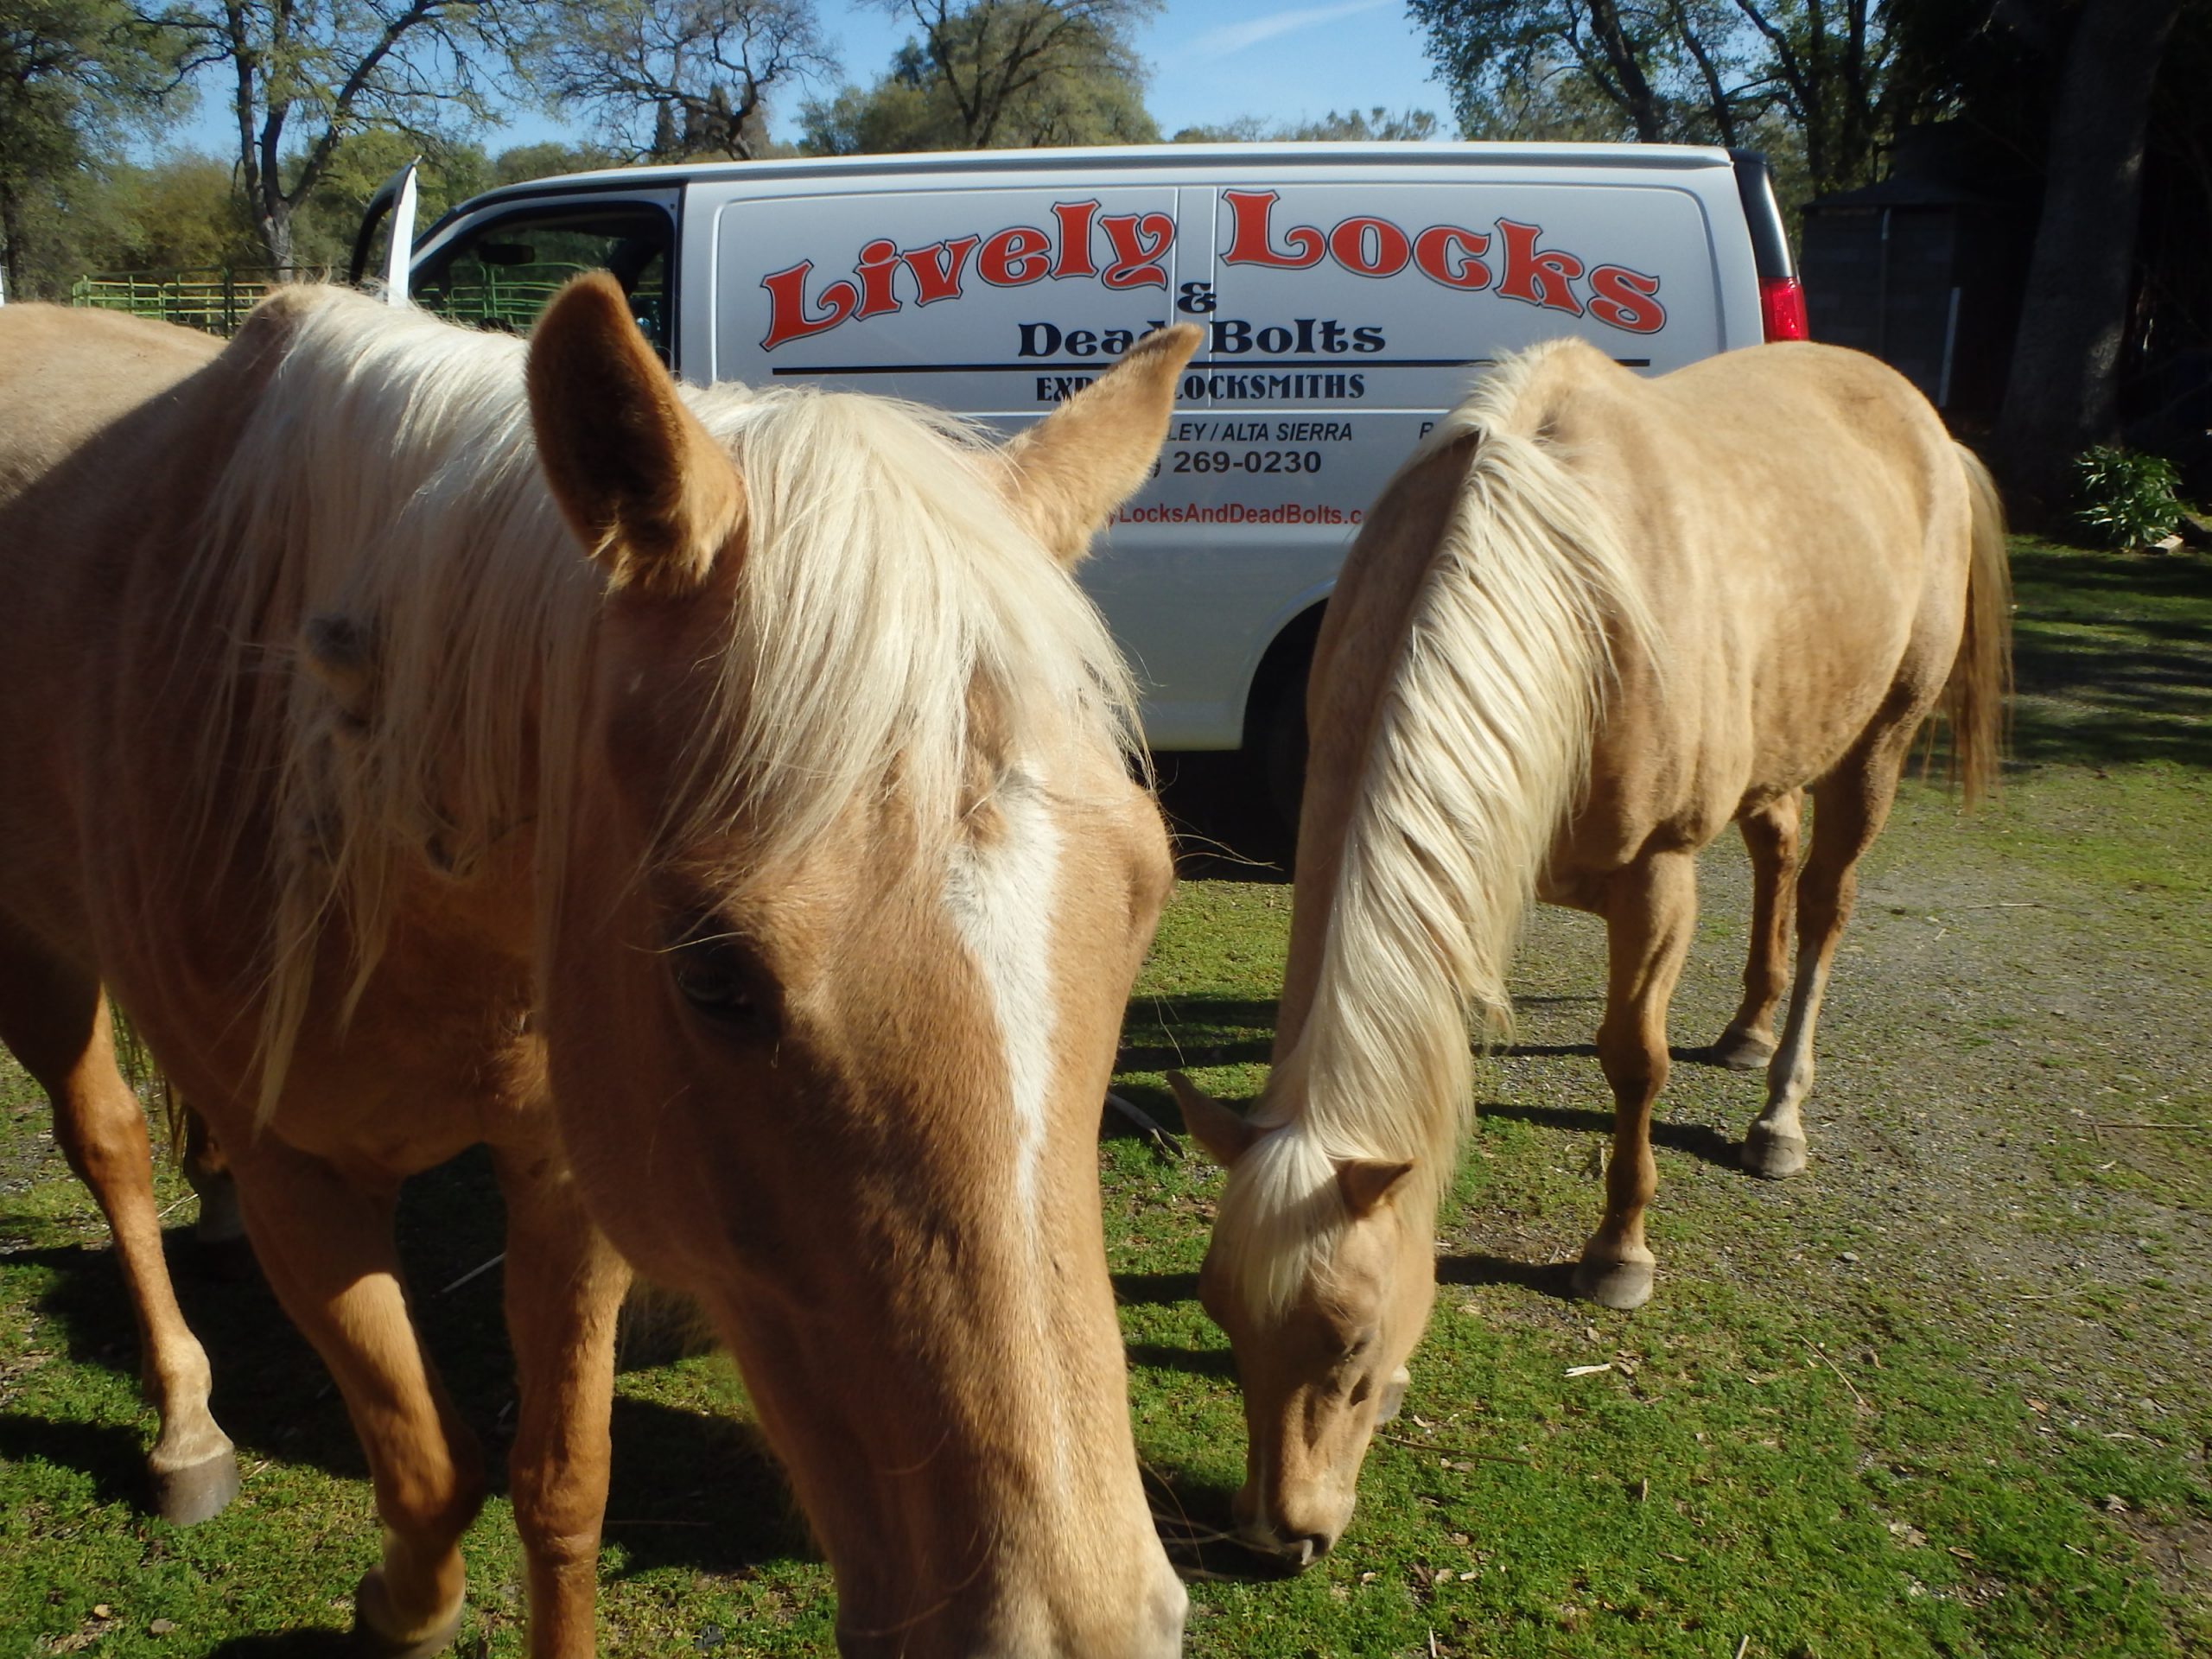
[1145, 1121]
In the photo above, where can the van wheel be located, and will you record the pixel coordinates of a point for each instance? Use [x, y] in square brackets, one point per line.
[1282, 757]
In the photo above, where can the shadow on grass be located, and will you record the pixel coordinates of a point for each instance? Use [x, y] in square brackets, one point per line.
[1470, 1267]
[1698, 1140]
[1707, 1055]
[1191, 1362]
[1198, 1053]
[694, 1490]
[1156, 1289]
[1223, 826]
[272, 1395]
[320, 1642]
[1207, 1030]
[1195, 1522]
[2122, 645]
[690, 1489]
[111, 1457]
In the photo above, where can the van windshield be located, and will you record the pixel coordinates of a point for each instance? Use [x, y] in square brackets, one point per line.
[500, 273]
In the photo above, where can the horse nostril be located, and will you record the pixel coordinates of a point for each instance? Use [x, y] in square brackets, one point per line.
[1303, 1552]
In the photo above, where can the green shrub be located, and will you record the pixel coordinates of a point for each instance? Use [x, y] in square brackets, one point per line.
[2127, 498]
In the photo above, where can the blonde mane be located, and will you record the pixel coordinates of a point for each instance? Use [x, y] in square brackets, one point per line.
[1477, 752]
[408, 627]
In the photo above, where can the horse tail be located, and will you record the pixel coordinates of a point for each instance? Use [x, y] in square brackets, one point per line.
[1981, 687]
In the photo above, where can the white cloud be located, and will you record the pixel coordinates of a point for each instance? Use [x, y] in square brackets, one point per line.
[1235, 37]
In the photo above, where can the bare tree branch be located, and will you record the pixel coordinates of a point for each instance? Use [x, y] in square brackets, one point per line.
[670, 78]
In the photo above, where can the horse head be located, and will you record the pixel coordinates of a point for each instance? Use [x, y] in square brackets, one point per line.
[854, 887]
[1322, 1276]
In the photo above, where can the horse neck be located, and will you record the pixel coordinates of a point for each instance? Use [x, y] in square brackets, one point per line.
[406, 669]
[1461, 683]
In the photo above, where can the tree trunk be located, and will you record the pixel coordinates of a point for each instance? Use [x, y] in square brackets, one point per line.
[11, 247]
[2062, 393]
[276, 225]
[1620, 56]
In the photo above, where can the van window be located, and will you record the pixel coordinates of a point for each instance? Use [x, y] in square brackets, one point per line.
[499, 274]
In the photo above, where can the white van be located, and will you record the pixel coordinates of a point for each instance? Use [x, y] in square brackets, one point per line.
[1353, 291]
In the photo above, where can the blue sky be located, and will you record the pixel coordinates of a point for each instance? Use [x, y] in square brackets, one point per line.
[1212, 61]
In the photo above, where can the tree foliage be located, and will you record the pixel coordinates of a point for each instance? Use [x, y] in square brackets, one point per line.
[303, 76]
[74, 75]
[996, 74]
[1374, 125]
[178, 212]
[666, 80]
[1812, 73]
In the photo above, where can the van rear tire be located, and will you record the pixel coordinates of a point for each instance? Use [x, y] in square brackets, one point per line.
[1280, 761]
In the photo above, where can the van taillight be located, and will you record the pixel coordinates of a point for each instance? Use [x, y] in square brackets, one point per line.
[1781, 307]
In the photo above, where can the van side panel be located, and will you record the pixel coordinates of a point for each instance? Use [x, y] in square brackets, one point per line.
[991, 301]
[1346, 315]
[1349, 299]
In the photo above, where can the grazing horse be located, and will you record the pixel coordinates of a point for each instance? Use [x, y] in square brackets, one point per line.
[1592, 619]
[716, 802]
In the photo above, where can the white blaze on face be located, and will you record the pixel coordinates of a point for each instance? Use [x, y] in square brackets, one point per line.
[1000, 891]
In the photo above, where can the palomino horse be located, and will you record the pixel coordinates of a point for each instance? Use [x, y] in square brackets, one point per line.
[762, 880]
[1592, 619]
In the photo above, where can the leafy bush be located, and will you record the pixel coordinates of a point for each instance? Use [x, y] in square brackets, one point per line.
[2126, 499]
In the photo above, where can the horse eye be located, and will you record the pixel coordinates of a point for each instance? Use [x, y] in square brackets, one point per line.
[717, 982]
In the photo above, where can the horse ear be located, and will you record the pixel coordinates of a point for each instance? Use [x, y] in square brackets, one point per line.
[1394, 1396]
[1076, 465]
[1366, 1183]
[653, 499]
[1225, 1136]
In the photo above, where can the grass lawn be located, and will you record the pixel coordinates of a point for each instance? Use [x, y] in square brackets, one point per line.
[1944, 1395]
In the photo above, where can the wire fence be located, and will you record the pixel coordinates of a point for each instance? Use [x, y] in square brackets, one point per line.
[215, 298]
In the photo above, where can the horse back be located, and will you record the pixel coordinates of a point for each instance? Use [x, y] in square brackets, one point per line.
[67, 373]
[1802, 528]
[112, 432]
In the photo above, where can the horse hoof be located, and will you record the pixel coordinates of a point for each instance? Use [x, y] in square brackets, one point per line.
[185, 1496]
[1777, 1157]
[1742, 1051]
[1622, 1284]
[373, 1620]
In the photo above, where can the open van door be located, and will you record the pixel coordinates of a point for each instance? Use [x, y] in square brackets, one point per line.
[396, 196]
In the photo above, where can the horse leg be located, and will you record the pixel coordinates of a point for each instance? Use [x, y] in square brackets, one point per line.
[564, 1288]
[1770, 838]
[1650, 913]
[1849, 807]
[208, 1174]
[325, 1243]
[56, 1021]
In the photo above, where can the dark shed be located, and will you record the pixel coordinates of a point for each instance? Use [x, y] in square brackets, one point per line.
[1923, 273]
